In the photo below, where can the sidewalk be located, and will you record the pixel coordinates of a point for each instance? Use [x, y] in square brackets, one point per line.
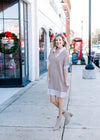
[85, 105]
[9, 95]
[31, 116]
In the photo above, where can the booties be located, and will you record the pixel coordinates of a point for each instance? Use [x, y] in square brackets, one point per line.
[67, 116]
[58, 124]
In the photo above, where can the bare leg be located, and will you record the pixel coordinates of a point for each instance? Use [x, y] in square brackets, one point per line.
[55, 101]
[61, 106]
[63, 110]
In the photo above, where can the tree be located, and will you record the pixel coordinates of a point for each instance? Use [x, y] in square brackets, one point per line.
[96, 37]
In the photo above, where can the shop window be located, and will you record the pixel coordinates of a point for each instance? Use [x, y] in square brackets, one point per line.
[13, 65]
[10, 8]
[42, 50]
[51, 36]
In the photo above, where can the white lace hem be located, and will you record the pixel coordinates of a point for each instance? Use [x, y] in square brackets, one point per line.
[57, 93]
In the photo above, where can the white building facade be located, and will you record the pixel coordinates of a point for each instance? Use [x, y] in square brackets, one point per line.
[34, 22]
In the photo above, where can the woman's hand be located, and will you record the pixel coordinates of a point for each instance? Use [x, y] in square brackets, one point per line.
[48, 79]
[67, 84]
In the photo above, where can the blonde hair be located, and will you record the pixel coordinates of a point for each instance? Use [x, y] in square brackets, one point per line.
[63, 38]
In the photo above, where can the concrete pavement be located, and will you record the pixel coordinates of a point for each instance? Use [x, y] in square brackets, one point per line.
[85, 105]
[31, 116]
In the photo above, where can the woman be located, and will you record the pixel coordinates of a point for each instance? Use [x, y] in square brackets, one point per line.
[58, 63]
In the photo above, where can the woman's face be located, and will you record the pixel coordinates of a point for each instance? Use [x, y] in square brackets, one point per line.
[59, 42]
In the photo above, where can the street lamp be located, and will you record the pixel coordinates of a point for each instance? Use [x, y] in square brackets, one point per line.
[90, 65]
[89, 71]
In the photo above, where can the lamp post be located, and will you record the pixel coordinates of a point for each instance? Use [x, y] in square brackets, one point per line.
[89, 66]
[89, 71]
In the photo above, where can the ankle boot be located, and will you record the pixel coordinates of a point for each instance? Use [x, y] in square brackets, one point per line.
[67, 116]
[58, 124]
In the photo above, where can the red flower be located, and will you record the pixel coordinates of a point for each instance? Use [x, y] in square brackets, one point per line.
[52, 36]
[65, 35]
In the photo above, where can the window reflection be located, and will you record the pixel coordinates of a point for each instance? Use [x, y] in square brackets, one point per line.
[10, 8]
[12, 68]
[1, 25]
[12, 26]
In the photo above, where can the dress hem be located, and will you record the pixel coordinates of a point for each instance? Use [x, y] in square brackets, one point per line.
[57, 93]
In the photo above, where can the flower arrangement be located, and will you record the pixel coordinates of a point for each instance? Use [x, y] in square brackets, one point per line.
[51, 35]
[42, 38]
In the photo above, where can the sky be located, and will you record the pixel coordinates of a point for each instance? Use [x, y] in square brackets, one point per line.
[80, 12]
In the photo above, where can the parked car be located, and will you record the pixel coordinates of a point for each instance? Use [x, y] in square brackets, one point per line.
[94, 50]
[96, 58]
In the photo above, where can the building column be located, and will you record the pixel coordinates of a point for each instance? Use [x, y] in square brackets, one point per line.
[33, 38]
[36, 39]
[31, 42]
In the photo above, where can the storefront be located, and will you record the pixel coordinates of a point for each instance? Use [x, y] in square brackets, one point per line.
[13, 56]
[42, 51]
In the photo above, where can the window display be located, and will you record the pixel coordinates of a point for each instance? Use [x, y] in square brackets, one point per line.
[42, 51]
[13, 49]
